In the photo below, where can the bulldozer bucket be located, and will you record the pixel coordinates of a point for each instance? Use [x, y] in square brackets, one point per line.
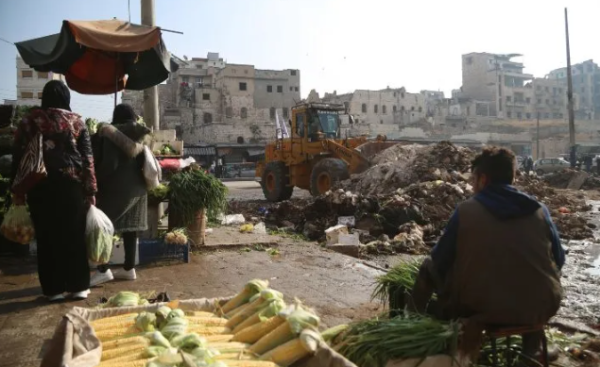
[372, 148]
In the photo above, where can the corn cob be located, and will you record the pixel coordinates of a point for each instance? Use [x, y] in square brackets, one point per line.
[200, 314]
[238, 363]
[250, 289]
[111, 319]
[254, 319]
[287, 353]
[219, 338]
[116, 363]
[112, 344]
[229, 347]
[105, 335]
[127, 358]
[282, 334]
[235, 357]
[207, 321]
[243, 308]
[122, 351]
[208, 330]
[114, 325]
[253, 333]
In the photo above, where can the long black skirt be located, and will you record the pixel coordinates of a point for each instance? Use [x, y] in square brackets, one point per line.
[58, 211]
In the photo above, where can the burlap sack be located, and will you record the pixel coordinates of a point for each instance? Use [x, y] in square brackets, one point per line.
[75, 344]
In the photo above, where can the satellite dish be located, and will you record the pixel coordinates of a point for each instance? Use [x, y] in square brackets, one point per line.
[185, 57]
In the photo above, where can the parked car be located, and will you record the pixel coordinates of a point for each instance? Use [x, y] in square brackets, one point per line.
[243, 170]
[547, 165]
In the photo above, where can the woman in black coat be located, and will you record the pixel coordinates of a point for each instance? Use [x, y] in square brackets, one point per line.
[122, 193]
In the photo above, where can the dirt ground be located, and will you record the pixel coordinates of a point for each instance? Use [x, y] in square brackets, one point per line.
[337, 286]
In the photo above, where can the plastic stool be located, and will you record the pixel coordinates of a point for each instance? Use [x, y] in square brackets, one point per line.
[494, 332]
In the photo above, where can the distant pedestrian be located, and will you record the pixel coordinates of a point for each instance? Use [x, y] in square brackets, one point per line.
[529, 164]
[588, 163]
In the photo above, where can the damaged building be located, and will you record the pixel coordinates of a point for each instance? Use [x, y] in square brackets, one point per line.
[209, 101]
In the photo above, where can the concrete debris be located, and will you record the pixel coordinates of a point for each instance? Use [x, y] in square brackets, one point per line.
[409, 196]
[332, 234]
[563, 178]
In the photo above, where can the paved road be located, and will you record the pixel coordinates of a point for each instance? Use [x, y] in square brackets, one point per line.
[251, 190]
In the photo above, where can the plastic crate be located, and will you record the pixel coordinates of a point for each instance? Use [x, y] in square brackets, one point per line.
[150, 251]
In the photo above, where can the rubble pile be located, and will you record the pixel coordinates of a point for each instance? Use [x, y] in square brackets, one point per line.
[402, 165]
[562, 178]
[404, 202]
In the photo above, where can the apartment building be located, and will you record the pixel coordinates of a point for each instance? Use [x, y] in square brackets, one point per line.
[586, 87]
[30, 84]
[210, 101]
[499, 80]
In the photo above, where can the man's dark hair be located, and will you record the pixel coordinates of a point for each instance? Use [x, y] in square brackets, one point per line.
[498, 164]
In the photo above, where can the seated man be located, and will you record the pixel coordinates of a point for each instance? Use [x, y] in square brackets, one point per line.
[499, 259]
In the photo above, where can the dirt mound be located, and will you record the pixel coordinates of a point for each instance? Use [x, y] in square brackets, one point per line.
[403, 165]
[562, 178]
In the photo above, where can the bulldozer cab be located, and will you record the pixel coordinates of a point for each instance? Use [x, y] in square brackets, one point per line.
[315, 121]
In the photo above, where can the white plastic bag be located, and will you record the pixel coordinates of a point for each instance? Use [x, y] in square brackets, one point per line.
[152, 171]
[99, 233]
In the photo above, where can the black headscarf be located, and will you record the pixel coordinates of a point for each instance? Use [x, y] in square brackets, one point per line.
[56, 95]
[123, 114]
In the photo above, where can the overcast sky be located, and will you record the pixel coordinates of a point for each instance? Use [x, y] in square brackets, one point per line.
[337, 44]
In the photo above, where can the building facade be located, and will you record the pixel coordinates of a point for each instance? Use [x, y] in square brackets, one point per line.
[586, 88]
[30, 84]
[210, 101]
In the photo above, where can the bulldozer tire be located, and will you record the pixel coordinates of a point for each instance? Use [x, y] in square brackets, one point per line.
[326, 173]
[274, 182]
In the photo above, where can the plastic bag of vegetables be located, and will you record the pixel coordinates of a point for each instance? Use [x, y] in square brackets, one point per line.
[17, 225]
[99, 233]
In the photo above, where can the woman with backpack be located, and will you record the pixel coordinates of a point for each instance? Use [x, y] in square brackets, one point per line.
[122, 189]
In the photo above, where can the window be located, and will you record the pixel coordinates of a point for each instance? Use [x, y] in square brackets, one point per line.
[198, 80]
[394, 94]
[553, 90]
[346, 106]
[402, 108]
[412, 108]
[519, 116]
[269, 89]
[243, 86]
[508, 98]
[384, 109]
[207, 117]
[375, 108]
[394, 108]
[528, 100]
[296, 89]
[420, 109]
[42, 75]
[537, 87]
[244, 112]
[381, 121]
[554, 101]
[26, 73]
[547, 89]
[293, 72]
[528, 115]
[228, 112]
[560, 90]
[291, 89]
[402, 95]
[240, 140]
[547, 115]
[539, 101]
[286, 113]
[364, 108]
[26, 94]
[582, 89]
[279, 89]
[206, 96]
[547, 101]
[40, 95]
[185, 79]
[272, 113]
[509, 114]
[300, 125]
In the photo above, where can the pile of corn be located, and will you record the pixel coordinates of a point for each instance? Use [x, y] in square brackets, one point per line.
[253, 329]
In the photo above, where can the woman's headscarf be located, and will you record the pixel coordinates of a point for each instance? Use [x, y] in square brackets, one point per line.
[124, 113]
[56, 95]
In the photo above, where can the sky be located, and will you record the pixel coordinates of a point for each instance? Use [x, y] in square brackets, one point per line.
[339, 45]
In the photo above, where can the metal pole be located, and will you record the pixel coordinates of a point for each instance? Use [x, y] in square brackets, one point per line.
[572, 146]
[151, 94]
[537, 144]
